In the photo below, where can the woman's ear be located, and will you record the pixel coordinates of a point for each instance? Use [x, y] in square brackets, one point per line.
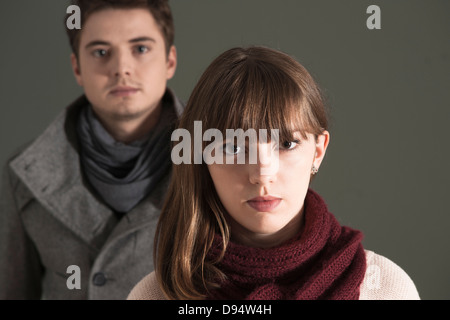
[322, 142]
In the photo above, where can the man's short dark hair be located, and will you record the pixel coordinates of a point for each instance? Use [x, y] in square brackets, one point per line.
[159, 9]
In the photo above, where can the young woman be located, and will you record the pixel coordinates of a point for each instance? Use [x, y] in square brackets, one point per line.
[255, 230]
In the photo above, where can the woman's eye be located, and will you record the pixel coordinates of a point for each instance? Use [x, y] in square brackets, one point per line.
[232, 149]
[289, 145]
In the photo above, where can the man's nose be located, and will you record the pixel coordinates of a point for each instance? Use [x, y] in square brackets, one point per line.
[121, 64]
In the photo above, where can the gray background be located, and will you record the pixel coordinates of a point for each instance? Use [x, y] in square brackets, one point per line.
[386, 171]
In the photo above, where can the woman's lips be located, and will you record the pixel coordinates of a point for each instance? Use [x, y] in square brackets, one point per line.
[264, 204]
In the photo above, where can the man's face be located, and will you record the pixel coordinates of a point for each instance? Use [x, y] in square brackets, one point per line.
[123, 64]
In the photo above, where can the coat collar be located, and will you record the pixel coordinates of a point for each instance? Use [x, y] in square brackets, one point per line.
[50, 172]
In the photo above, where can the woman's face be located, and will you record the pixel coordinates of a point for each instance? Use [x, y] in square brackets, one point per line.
[264, 200]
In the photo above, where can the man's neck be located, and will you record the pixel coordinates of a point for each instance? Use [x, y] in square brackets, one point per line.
[131, 129]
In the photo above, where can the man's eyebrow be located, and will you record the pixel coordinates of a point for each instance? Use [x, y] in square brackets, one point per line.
[141, 39]
[106, 43]
[97, 43]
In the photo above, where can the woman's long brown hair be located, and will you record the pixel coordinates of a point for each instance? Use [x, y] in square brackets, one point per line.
[254, 87]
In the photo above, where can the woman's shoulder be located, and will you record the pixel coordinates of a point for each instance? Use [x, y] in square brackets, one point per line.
[385, 280]
[147, 289]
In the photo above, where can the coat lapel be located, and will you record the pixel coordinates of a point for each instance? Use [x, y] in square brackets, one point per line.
[50, 172]
[50, 169]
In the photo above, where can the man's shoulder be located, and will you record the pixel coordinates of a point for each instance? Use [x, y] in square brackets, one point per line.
[51, 147]
[385, 280]
[53, 134]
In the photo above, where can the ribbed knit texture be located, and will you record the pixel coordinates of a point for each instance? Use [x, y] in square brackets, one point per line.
[325, 261]
[384, 280]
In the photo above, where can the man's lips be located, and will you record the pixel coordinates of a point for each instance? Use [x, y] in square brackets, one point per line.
[264, 204]
[123, 91]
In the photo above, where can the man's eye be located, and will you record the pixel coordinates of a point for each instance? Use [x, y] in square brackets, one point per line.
[100, 53]
[142, 49]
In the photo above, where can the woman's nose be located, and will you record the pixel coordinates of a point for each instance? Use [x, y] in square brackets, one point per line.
[266, 169]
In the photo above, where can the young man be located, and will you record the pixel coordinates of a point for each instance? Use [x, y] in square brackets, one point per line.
[79, 205]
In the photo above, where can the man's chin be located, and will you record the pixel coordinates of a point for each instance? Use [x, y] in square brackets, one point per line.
[127, 114]
[123, 111]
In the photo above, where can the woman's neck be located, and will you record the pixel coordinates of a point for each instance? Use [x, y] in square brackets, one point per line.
[243, 236]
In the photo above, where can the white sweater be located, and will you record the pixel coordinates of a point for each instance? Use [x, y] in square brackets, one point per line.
[384, 280]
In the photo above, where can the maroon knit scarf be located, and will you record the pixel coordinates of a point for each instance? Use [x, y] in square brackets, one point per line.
[325, 261]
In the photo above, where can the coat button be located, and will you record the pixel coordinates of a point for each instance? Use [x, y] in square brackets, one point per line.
[99, 279]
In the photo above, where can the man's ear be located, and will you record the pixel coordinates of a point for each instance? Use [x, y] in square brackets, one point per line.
[76, 69]
[321, 147]
[171, 62]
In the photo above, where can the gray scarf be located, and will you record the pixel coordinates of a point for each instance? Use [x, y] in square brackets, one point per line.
[123, 174]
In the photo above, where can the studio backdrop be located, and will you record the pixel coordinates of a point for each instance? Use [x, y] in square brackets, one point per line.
[384, 69]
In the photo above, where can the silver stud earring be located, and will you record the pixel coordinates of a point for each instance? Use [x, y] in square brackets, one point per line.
[314, 170]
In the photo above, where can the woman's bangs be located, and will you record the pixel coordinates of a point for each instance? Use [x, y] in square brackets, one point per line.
[264, 98]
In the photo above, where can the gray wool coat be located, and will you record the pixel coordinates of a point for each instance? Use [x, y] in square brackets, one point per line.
[50, 220]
